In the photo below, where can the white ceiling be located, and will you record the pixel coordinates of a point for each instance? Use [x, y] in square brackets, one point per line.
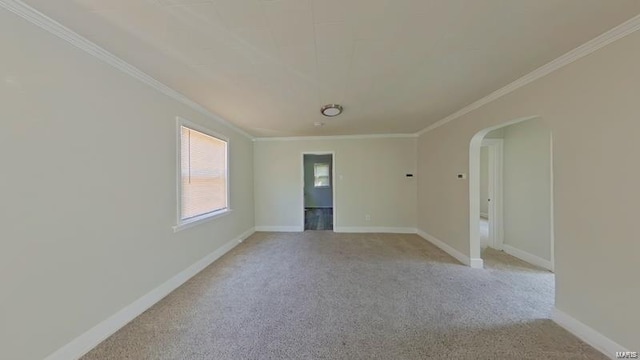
[396, 66]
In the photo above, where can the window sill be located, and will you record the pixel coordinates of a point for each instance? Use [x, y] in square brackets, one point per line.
[201, 219]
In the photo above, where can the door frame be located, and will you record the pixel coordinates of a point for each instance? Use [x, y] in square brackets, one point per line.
[333, 183]
[495, 149]
[475, 261]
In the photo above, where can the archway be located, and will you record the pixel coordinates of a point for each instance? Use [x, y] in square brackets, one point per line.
[498, 214]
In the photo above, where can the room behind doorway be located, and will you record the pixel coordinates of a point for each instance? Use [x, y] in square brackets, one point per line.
[318, 191]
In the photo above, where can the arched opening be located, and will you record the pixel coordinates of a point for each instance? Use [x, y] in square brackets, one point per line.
[517, 216]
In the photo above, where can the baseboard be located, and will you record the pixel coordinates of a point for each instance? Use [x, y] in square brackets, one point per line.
[90, 339]
[484, 215]
[476, 263]
[374, 229]
[280, 228]
[525, 256]
[342, 229]
[587, 334]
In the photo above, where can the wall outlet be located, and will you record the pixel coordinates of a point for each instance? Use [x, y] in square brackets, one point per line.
[367, 217]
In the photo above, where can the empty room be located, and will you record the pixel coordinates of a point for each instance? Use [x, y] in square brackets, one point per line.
[319, 179]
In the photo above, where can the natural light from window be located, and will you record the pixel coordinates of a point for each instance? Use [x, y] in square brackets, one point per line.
[321, 175]
[203, 174]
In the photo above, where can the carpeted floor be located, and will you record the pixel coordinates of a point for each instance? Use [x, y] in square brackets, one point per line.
[321, 295]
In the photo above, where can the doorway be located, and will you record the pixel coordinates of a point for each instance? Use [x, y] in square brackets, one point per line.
[318, 191]
[491, 230]
[512, 210]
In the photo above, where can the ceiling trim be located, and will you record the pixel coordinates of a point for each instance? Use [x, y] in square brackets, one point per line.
[581, 51]
[43, 21]
[336, 137]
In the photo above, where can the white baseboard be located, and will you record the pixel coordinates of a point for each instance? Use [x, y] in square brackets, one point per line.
[94, 336]
[525, 256]
[587, 334]
[484, 215]
[475, 263]
[374, 229]
[280, 228]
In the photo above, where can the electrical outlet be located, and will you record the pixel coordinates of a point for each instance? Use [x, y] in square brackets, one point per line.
[367, 217]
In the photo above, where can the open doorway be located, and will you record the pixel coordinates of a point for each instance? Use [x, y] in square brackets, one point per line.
[491, 154]
[318, 191]
[511, 193]
[511, 208]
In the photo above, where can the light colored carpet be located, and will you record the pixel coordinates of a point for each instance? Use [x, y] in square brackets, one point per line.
[321, 295]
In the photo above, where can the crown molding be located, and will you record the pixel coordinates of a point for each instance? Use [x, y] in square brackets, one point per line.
[336, 137]
[43, 21]
[581, 51]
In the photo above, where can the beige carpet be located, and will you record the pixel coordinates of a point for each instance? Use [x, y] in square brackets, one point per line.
[320, 295]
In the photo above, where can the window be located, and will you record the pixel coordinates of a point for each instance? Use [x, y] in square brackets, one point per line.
[203, 182]
[321, 175]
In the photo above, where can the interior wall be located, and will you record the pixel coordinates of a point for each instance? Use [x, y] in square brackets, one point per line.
[370, 180]
[89, 191]
[495, 134]
[592, 109]
[317, 196]
[527, 187]
[484, 181]
[484, 171]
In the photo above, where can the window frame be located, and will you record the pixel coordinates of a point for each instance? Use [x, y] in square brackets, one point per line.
[187, 223]
[315, 177]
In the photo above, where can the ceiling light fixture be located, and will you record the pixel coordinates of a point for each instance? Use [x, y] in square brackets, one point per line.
[331, 110]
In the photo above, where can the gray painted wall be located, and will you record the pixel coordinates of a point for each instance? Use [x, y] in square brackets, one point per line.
[484, 171]
[527, 187]
[85, 232]
[484, 180]
[370, 180]
[495, 134]
[592, 107]
[313, 196]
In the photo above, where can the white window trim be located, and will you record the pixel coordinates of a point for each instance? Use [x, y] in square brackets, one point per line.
[196, 220]
[185, 224]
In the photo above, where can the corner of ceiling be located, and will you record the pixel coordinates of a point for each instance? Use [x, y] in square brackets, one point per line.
[41, 20]
[581, 51]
